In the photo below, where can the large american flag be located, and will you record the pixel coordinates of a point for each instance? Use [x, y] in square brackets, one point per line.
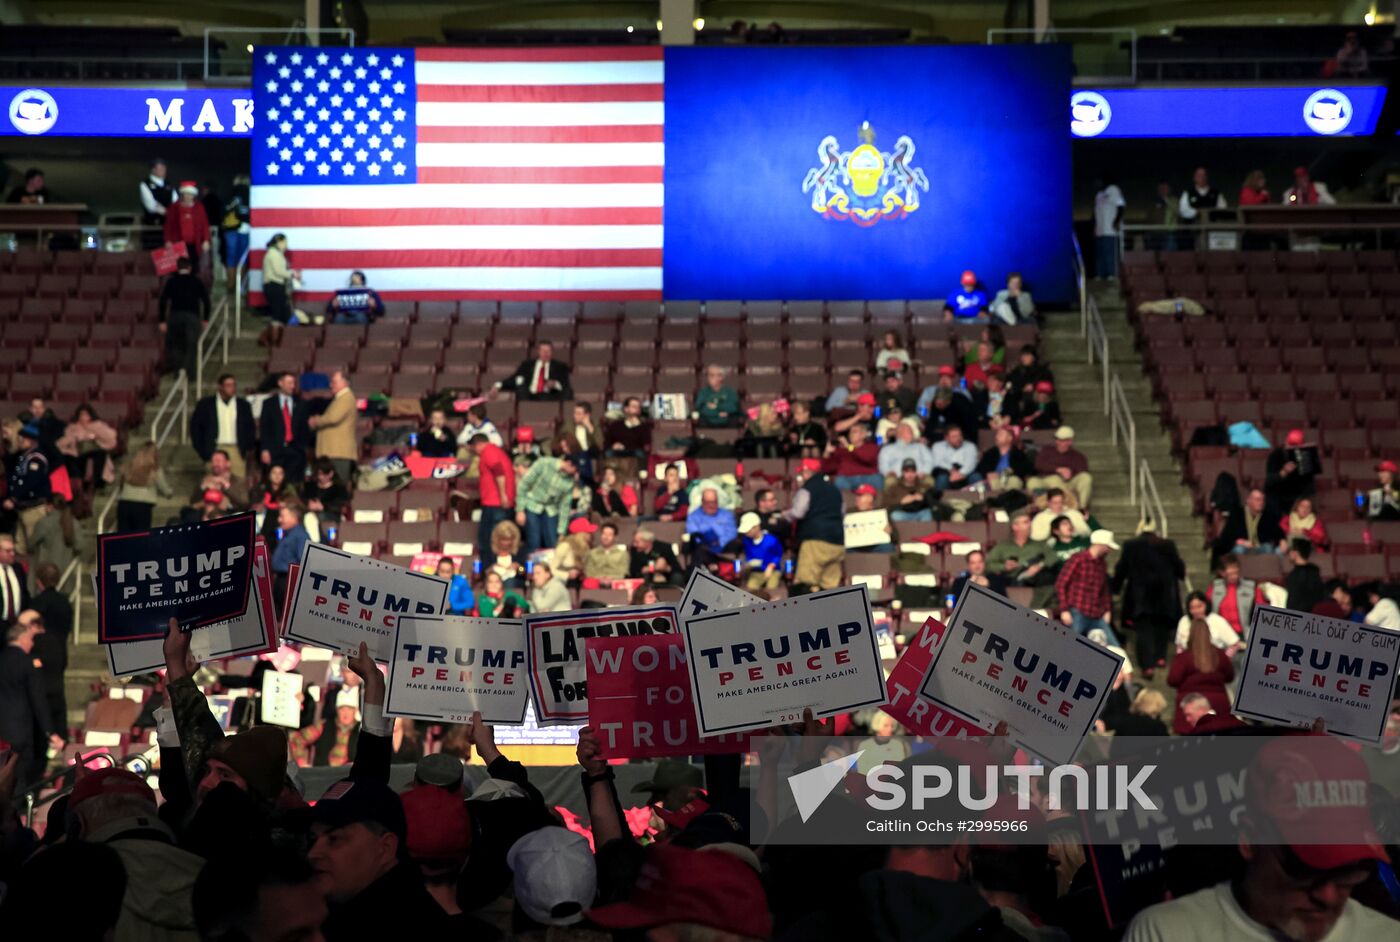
[518, 174]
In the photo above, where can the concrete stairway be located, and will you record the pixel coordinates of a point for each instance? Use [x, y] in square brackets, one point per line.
[1081, 402]
[87, 661]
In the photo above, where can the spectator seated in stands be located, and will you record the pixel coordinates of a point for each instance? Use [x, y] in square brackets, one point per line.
[1306, 191]
[1200, 668]
[653, 560]
[1352, 60]
[1384, 613]
[1082, 590]
[716, 403]
[1339, 602]
[275, 490]
[969, 302]
[612, 499]
[906, 496]
[1253, 528]
[1013, 304]
[1290, 470]
[1042, 412]
[1042, 525]
[989, 398]
[1233, 597]
[889, 422]
[572, 550]
[1064, 542]
[763, 434]
[478, 424]
[87, 445]
[983, 359]
[854, 459]
[864, 415]
[711, 529]
[1302, 523]
[435, 439]
[1004, 466]
[905, 448]
[609, 561]
[1255, 190]
[950, 408]
[1382, 502]
[672, 501]
[585, 438]
[763, 555]
[1019, 559]
[630, 435]
[460, 600]
[895, 395]
[805, 437]
[357, 303]
[539, 379]
[946, 381]
[32, 192]
[844, 397]
[325, 495]
[1222, 634]
[1065, 467]
[549, 594]
[954, 461]
[496, 601]
[977, 572]
[866, 500]
[1021, 381]
[1304, 580]
[219, 477]
[893, 357]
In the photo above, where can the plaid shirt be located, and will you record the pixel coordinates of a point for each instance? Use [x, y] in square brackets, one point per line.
[1083, 585]
[545, 489]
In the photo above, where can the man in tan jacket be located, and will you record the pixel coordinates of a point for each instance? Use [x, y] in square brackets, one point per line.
[335, 429]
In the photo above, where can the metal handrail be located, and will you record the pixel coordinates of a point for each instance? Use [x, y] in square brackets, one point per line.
[215, 332]
[175, 406]
[1372, 230]
[1097, 345]
[75, 597]
[1151, 499]
[1081, 281]
[240, 273]
[1122, 426]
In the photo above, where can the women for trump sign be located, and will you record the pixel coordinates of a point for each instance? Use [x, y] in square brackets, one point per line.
[765, 664]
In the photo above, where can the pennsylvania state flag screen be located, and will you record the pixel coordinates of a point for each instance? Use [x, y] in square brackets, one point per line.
[848, 173]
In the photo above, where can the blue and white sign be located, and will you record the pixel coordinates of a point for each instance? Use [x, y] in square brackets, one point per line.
[1225, 112]
[127, 112]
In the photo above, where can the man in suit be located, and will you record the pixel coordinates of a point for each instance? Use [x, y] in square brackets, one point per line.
[542, 379]
[51, 647]
[283, 430]
[335, 429]
[14, 582]
[224, 421]
[25, 722]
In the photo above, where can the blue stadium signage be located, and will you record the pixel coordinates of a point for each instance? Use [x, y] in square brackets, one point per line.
[126, 112]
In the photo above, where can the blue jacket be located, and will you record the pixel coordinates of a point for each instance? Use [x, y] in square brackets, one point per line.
[766, 552]
[718, 531]
[460, 600]
[290, 548]
[29, 480]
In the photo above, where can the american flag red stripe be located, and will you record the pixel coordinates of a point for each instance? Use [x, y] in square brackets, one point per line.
[537, 174]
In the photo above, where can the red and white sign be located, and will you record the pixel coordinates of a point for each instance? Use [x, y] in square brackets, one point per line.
[906, 706]
[640, 703]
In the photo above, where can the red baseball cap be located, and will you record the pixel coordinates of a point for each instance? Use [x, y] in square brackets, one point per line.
[678, 820]
[1388, 465]
[1295, 437]
[110, 782]
[946, 370]
[582, 525]
[525, 434]
[439, 825]
[680, 885]
[811, 465]
[865, 399]
[1314, 791]
[213, 496]
[1045, 386]
[867, 489]
[969, 278]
